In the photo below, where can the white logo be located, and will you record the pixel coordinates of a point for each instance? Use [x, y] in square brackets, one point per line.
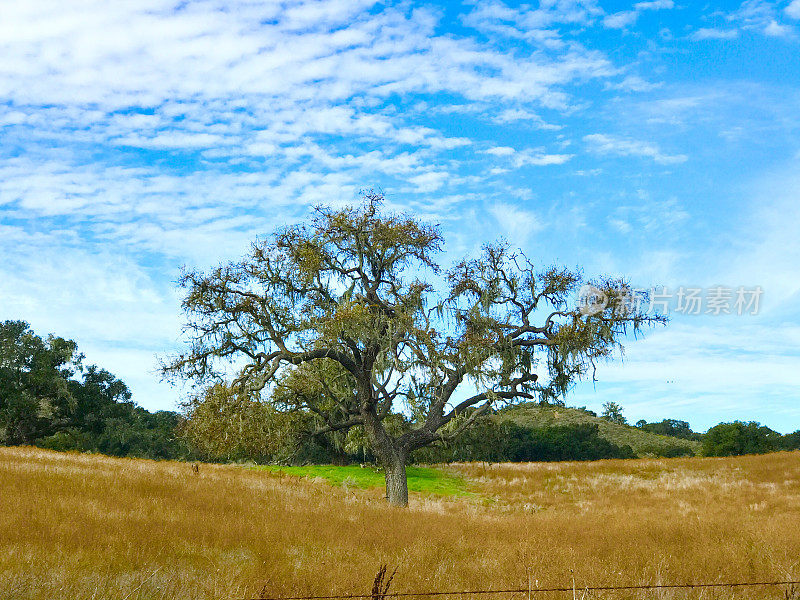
[591, 300]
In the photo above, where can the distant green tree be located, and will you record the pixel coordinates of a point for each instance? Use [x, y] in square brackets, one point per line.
[507, 441]
[95, 402]
[35, 399]
[42, 402]
[670, 427]
[612, 412]
[98, 398]
[791, 441]
[486, 441]
[737, 438]
[583, 409]
[666, 452]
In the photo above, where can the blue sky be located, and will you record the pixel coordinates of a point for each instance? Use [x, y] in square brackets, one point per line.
[657, 140]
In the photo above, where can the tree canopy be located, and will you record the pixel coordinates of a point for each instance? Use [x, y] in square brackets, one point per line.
[350, 318]
[612, 412]
[49, 398]
[670, 427]
[35, 399]
[737, 438]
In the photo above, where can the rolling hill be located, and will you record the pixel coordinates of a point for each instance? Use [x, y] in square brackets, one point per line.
[643, 443]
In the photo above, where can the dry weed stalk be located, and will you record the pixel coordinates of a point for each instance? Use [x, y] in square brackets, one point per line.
[380, 585]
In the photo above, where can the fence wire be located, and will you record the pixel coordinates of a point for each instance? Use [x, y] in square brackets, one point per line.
[535, 590]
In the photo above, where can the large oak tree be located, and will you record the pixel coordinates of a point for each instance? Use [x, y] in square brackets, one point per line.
[350, 317]
[35, 396]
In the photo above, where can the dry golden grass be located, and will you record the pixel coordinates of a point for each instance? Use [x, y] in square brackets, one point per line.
[85, 527]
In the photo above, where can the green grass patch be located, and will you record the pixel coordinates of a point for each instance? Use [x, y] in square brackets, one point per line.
[420, 479]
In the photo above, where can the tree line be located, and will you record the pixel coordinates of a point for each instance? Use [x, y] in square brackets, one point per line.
[50, 399]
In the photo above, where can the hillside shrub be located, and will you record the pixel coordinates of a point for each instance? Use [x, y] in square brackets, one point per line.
[737, 438]
[508, 442]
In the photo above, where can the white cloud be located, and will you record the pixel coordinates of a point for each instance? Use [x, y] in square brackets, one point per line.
[429, 182]
[793, 9]
[715, 34]
[634, 83]
[516, 223]
[775, 29]
[143, 209]
[606, 144]
[531, 23]
[755, 15]
[264, 86]
[514, 115]
[533, 157]
[654, 5]
[501, 151]
[118, 55]
[172, 140]
[621, 225]
[620, 20]
[539, 159]
[651, 218]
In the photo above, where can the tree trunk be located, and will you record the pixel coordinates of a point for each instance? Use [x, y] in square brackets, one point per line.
[396, 481]
[391, 455]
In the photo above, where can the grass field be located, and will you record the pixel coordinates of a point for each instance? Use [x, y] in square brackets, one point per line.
[425, 480]
[81, 527]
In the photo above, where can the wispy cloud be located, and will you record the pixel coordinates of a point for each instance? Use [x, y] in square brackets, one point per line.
[622, 19]
[535, 24]
[775, 29]
[515, 115]
[633, 83]
[516, 223]
[607, 144]
[529, 156]
[709, 33]
[654, 5]
[268, 88]
[759, 16]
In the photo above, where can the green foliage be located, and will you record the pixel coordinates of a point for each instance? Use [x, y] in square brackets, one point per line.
[612, 412]
[642, 442]
[35, 400]
[42, 403]
[338, 319]
[737, 438]
[790, 441]
[667, 451]
[222, 423]
[670, 427]
[492, 441]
